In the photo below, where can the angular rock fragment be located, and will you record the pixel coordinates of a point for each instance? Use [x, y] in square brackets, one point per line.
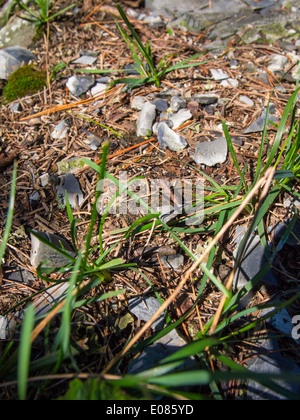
[42, 253]
[219, 74]
[246, 100]
[211, 152]
[177, 103]
[144, 308]
[78, 85]
[174, 262]
[179, 118]
[98, 89]
[86, 60]
[259, 124]
[206, 99]
[70, 186]
[167, 137]
[60, 130]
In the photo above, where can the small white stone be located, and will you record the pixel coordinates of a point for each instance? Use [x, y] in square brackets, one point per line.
[246, 100]
[98, 89]
[230, 83]
[145, 120]
[219, 74]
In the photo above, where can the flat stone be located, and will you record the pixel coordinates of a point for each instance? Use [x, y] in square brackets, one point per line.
[206, 99]
[174, 262]
[167, 137]
[246, 100]
[153, 354]
[230, 83]
[259, 124]
[86, 60]
[19, 275]
[270, 361]
[179, 118]
[146, 119]
[42, 304]
[71, 186]
[144, 308]
[294, 238]
[161, 104]
[78, 85]
[98, 89]
[42, 253]
[211, 152]
[252, 262]
[219, 74]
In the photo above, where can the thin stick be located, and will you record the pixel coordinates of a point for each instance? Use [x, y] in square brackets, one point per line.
[268, 176]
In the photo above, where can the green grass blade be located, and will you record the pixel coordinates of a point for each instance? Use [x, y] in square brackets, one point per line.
[281, 129]
[72, 223]
[65, 328]
[25, 351]
[10, 214]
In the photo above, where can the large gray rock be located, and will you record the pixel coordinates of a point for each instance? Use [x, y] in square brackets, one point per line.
[270, 361]
[17, 32]
[11, 58]
[254, 21]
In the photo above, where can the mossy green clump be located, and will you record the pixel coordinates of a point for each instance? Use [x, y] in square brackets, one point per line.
[25, 81]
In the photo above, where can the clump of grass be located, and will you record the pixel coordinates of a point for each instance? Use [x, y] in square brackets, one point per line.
[144, 59]
[42, 11]
[212, 345]
[26, 80]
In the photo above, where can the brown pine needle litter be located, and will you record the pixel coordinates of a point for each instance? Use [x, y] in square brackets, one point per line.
[264, 182]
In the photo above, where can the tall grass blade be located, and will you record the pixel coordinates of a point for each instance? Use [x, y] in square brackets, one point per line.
[25, 351]
[10, 214]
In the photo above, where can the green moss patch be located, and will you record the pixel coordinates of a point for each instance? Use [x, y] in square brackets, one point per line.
[23, 82]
